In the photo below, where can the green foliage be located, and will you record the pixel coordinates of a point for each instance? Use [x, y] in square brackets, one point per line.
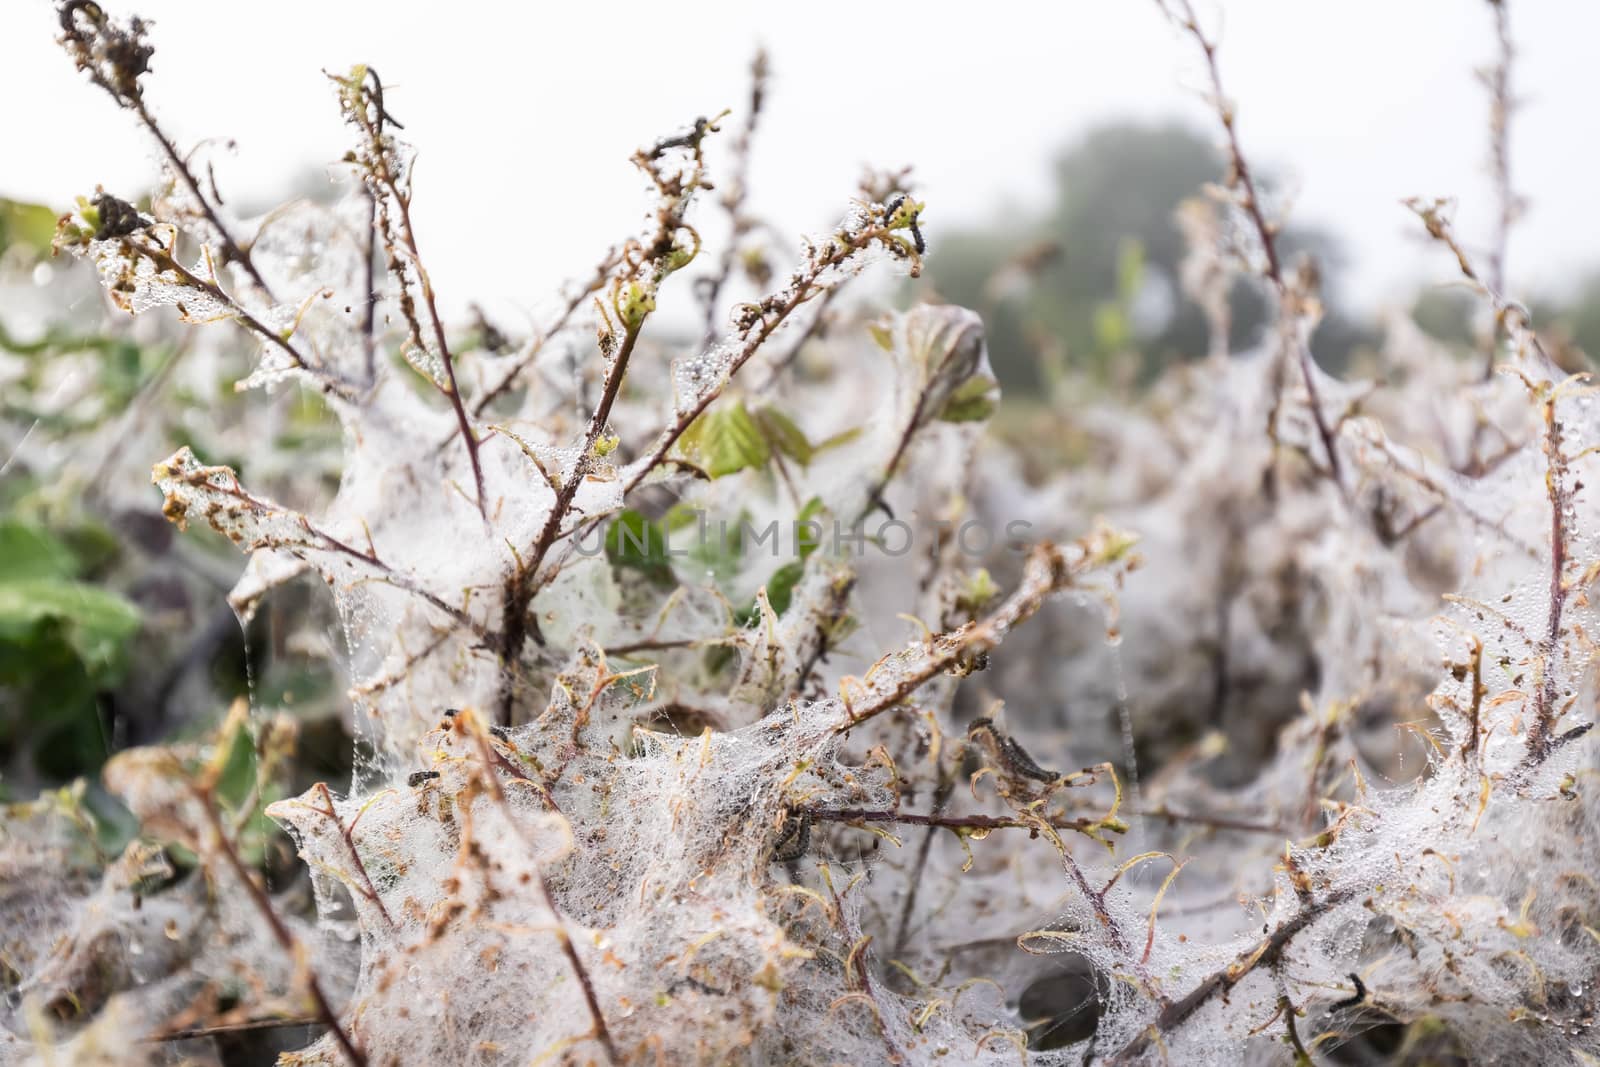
[62, 641]
[783, 436]
[726, 439]
[636, 542]
[780, 585]
[730, 438]
[808, 538]
[30, 226]
[972, 401]
[1060, 285]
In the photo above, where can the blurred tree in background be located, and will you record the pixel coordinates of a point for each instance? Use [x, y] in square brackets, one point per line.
[1089, 285]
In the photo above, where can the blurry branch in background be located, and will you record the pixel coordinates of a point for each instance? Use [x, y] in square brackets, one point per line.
[519, 364]
[1497, 79]
[735, 193]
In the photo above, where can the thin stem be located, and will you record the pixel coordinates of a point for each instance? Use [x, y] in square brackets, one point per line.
[524, 582]
[773, 313]
[365, 108]
[232, 250]
[1545, 712]
[230, 1028]
[369, 314]
[1498, 80]
[280, 932]
[1266, 232]
[733, 201]
[1220, 982]
[347, 834]
[451, 391]
[320, 540]
[164, 260]
[524, 361]
[936, 819]
[601, 1031]
[1049, 569]
[941, 796]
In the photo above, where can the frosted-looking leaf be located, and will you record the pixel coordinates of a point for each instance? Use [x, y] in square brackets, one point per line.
[137, 284]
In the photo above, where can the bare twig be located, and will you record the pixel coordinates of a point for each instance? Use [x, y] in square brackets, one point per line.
[733, 200]
[1510, 315]
[1182, 14]
[524, 584]
[521, 363]
[1049, 569]
[280, 932]
[764, 320]
[1501, 104]
[1265, 954]
[468, 723]
[389, 186]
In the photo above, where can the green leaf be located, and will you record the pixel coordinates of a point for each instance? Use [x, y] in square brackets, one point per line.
[637, 542]
[838, 440]
[780, 593]
[1130, 271]
[783, 435]
[725, 440]
[29, 551]
[32, 226]
[96, 624]
[972, 401]
[808, 538]
[780, 587]
[238, 775]
[1112, 331]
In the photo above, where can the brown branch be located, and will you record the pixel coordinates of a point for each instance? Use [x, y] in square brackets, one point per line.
[1545, 711]
[834, 610]
[365, 108]
[591, 1000]
[813, 326]
[347, 834]
[116, 57]
[369, 314]
[1219, 983]
[646, 265]
[768, 316]
[162, 260]
[1183, 15]
[1286, 1006]
[1512, 316]
[199, 478]
[941, 796]
[524, 361]
[660, 645]
[1049, 569]
[245, 1026]
[452, 392]
[280, 932]
[524, 583]
[937, 820]
[232, 251]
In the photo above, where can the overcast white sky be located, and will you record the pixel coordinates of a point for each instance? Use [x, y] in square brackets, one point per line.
[525, 113]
